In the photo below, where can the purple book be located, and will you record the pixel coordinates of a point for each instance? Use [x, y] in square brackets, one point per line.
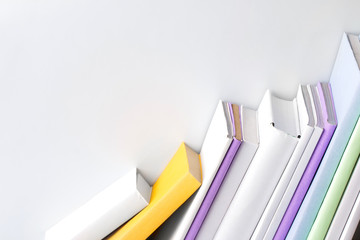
[216, 183]
[313, 164]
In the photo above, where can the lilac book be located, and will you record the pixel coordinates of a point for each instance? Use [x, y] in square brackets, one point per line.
[330, 123]
[220, 175]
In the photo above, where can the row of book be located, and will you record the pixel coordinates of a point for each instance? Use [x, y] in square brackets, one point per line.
[288, 170]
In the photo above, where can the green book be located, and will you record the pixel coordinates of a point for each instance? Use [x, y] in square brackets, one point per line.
[337, 186]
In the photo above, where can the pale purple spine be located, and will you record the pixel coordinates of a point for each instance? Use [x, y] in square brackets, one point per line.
[215, 186]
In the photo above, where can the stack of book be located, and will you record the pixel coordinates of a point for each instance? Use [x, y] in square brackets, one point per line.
[288, 170]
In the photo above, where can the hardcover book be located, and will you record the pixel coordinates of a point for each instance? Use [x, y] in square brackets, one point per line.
[234, 176]
[310, 134]
[106, 211]
[215, 146]
[220, 175]
[278, 131]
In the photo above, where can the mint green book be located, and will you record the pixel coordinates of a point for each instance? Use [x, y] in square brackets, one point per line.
[337, 186]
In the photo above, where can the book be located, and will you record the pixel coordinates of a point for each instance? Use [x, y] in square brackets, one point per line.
[216, 143]
[278, 132]
[345, 83]
[318, 130]
[221, 173]
[310, 134]
[106, 211]
[329, 126]
[351, 226]
[234, 176]
[337, 186]
[180, 179]
[347, 202]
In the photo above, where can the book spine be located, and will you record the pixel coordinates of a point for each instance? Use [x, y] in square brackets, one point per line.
[214, 188]
[106, 211]
[337, 187]
[215, 185]
[227, 191]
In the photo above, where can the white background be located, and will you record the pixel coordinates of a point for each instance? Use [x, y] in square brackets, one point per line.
[90, 89]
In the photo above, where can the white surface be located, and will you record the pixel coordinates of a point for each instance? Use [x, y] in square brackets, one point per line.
[346, 204]
[306, 123]
[273, 154]
[106, 211]
[90, 89]
[213, 151]
[234, 175]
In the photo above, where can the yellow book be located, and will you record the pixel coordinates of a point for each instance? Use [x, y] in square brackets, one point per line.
[180, 179]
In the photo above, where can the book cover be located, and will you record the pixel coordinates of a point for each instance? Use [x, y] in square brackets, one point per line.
[106, 211]
[301, 155]
[337, 186]
[278, 131]
[234, 176]
[345, 83]
[220, 175]
[180, 179]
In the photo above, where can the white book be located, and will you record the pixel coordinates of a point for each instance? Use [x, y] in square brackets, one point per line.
[245, 154]
[347, 202]
[307, 121]
[216, 143]
[352, 221]
[312, 127]
[106, 211]
[278, 132]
